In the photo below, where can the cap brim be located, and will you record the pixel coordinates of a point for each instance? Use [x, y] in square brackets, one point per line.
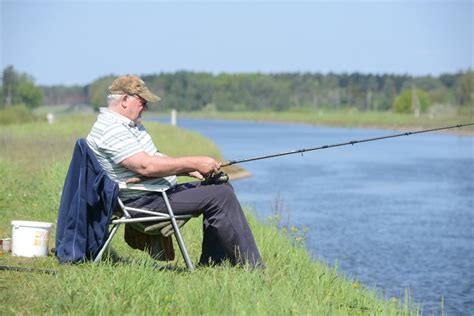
[150, 97]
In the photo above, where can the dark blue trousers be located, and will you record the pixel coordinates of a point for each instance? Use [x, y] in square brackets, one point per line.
[226, 232]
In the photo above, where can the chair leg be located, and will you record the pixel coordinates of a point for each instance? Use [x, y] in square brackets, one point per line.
[113, 231]
[177, 234]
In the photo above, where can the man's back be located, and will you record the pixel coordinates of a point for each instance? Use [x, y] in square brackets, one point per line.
[114, 138]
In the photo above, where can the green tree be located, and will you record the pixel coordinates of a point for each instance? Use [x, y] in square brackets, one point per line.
[409, 100]
[19, 88]
[9, 85]
[29, 94]
[465, 89]
[97, 91]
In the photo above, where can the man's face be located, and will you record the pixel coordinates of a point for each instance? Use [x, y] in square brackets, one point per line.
[136, 106]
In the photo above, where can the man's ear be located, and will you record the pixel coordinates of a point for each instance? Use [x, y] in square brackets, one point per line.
[123, 101]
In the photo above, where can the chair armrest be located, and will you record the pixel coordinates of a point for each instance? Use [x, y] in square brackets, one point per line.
[143, 187]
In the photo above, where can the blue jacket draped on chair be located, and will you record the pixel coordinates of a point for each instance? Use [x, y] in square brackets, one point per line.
[88, 200]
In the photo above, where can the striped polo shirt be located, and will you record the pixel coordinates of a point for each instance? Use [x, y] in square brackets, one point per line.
[114, 138]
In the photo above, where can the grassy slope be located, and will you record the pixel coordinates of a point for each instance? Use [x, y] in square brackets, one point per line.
[33, 162]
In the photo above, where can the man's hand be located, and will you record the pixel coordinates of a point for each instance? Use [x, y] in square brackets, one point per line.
[196, 174]
[206, 165]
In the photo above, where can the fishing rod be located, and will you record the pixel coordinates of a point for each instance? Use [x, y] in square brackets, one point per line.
[352, 142]
[221, 177]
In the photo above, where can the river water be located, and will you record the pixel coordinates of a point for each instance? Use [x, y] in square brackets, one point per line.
[395, 214]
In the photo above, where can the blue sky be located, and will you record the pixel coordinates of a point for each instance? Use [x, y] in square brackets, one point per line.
[75, 42]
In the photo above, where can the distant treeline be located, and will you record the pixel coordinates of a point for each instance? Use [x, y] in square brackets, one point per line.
[191, 91]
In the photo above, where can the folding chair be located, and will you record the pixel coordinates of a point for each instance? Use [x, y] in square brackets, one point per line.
[167, 218]
[87, 206]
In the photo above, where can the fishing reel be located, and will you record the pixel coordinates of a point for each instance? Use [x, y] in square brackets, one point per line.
[216, 178]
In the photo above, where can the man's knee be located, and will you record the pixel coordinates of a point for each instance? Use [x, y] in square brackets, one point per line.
[230, 186]
[225, 192]
[223, 197]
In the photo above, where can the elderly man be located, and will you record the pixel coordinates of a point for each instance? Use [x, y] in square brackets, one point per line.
[126, 151]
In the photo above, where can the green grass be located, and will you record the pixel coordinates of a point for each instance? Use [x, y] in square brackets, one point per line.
[33, 161]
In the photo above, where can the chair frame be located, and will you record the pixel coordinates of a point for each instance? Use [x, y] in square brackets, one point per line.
[152, 216]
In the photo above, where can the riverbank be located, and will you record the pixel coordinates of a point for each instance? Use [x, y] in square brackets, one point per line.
[362, 205]
[347, 118]
[33, 164]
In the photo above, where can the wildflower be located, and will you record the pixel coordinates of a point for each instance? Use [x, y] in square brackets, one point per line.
[294, 229]
[355, 285]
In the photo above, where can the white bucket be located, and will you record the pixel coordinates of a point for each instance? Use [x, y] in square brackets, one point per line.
[30, 239]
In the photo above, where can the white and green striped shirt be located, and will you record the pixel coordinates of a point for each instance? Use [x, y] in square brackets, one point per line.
[114, 138]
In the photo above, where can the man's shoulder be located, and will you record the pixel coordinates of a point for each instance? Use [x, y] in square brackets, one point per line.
[106, 127]
[108, 118]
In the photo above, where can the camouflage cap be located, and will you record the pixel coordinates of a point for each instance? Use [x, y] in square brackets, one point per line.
[132, 85]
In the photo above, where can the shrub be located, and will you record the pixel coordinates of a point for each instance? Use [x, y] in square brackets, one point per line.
[403, 103]
[16, 114]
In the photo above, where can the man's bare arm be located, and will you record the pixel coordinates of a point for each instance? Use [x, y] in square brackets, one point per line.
[162, 166]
